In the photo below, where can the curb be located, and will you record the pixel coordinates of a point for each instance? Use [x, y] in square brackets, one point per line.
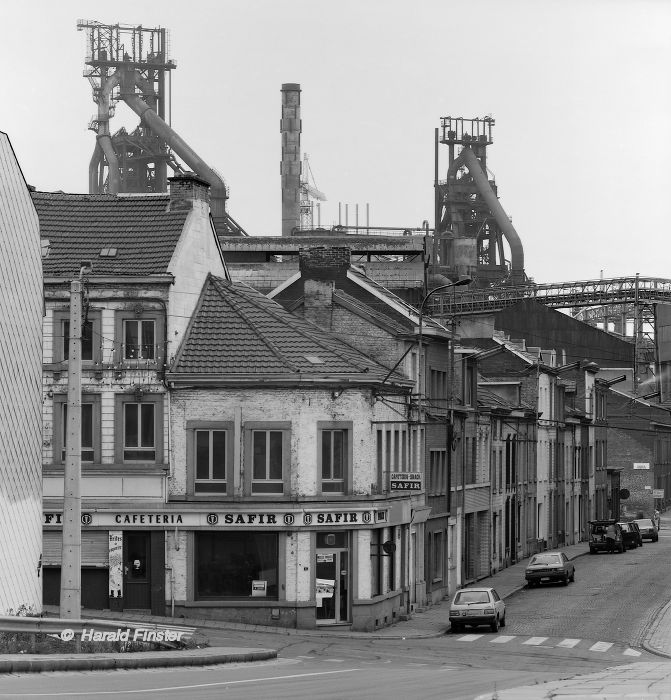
[646, 643]
[96, 662]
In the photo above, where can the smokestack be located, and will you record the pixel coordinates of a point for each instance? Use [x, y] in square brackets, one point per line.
[290, 167]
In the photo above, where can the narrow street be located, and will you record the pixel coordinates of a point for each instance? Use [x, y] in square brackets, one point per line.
[552, 632]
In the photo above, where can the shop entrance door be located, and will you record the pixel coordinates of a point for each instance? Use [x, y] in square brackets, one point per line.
[333, 578]
[137, 570]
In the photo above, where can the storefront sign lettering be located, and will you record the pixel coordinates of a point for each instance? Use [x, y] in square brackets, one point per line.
[278, 519]
[148, 519]
[405, 481]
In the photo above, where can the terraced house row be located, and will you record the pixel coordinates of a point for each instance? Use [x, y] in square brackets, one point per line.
[294, 457]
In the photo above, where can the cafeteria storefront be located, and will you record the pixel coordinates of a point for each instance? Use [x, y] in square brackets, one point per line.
[298, 568]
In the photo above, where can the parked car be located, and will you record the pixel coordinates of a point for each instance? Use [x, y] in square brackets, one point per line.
[631, 535]
[477, 606]
[549, 566]
[648, 529]
[605, 536]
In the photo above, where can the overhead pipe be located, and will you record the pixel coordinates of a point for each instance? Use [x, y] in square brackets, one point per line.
[96, 158]
[482, 183]
[103, 139]
[182, 149]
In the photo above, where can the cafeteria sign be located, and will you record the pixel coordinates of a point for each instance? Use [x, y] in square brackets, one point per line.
[405, 481]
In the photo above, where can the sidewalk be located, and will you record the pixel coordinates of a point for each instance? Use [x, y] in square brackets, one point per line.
[432, 622]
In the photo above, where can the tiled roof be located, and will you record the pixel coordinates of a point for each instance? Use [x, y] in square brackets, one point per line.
[80, 226]
[237, 331]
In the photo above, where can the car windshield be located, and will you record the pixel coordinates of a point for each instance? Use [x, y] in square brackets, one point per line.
[472, 597]
[625, 526]
[644, 523]
[545, 559]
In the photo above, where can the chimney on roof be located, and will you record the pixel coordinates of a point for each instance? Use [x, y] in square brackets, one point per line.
[187, 188]
[320, 269]
[324, 263]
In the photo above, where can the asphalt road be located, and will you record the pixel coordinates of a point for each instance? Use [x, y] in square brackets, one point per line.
[552, 632]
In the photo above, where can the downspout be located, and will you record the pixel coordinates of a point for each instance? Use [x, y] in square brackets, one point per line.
[485, 189]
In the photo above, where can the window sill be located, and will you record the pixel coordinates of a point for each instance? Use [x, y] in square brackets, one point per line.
[109, 469]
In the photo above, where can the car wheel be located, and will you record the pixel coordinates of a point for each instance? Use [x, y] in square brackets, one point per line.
[503, 620]
[621, 548]
[572, 577]
[592, 550]
[656, 538]
[456, 628]
[495, 624]
[565, 581]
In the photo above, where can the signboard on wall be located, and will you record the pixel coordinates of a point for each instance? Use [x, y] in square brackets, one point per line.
[658, 493]
[271, 519]
[641, 465]
[405, 481]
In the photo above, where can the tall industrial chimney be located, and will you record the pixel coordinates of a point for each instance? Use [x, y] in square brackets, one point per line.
[290, 167]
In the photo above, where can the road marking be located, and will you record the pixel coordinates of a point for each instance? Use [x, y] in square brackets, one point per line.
[631, 652]
[535, 641]
[503, 638]
[302, 656]
[470, 637]
[336, 661]
[601, 646]
[117, 692]
[568, 643]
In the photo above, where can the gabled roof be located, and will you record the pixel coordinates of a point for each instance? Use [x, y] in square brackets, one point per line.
[139, 230]
[236, 333]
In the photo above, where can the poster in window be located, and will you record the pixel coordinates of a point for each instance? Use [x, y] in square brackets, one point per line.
[259, 589]
[325, 589]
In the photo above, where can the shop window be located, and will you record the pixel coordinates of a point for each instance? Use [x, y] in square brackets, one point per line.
[90, 427]
[209, 456]
[335, 457]
[91, 337]
[236, 565]
[139, 429]
[267, 449]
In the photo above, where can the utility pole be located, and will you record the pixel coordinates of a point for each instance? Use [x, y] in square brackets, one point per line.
[71, 588]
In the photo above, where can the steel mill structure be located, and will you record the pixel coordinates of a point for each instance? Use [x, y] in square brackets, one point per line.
[130, 63]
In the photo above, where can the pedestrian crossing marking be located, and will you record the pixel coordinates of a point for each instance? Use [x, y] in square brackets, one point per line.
[503, 638]
[568, 643]
[470, 637]
[601, 646]
[631, 652]
[535, 641]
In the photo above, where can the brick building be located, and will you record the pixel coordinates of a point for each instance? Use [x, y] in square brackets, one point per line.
[281, 439]
[149, 258]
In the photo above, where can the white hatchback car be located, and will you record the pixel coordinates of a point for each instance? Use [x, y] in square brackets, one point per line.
[477, 606]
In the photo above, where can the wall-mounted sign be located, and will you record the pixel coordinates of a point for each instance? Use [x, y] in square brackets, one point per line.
[658, 493]
[641, 465]
[362, 517]
[405, 481]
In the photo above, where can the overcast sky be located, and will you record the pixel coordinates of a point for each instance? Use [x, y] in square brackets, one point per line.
[580, 91]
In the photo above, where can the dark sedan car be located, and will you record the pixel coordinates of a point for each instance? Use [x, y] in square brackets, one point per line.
[549, 566]
[631, 535]
[647, 528]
